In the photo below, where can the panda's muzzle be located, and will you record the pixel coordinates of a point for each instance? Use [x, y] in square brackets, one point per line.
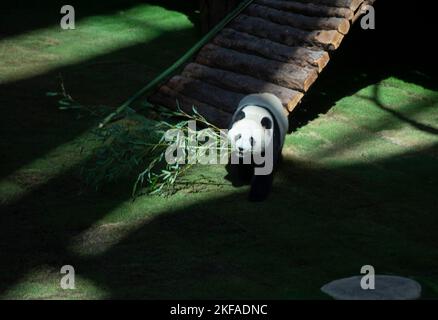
[244, 153]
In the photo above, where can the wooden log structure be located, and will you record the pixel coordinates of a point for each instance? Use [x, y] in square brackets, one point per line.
[275, 46]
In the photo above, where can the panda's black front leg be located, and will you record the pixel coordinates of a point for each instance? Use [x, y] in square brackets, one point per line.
[245, 172]
[261, 186]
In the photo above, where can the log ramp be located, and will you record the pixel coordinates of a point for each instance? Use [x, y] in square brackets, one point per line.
[274, 46]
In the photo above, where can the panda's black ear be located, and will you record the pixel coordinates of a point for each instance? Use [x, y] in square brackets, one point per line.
[240, 116]
[266, 123]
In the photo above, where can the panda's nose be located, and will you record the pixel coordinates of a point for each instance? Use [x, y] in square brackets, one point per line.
[240, 149]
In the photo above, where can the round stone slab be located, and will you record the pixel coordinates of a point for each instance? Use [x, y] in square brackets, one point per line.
[386, 288]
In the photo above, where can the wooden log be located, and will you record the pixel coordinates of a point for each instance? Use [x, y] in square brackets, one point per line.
[240, 83]
[169, 98]
[362, 10]
[327, 39]
[308, 9]
[209, 94]
[284, 74]
[297, 20]
[247, 43]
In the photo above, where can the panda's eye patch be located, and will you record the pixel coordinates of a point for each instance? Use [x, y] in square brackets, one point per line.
[240, 116]
[237, 137]
[266, 123]
[251, 141]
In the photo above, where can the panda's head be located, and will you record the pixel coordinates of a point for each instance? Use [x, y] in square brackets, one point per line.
[251, 130]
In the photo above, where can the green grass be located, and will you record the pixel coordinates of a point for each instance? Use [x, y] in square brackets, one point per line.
[357, 185]
[50, 48]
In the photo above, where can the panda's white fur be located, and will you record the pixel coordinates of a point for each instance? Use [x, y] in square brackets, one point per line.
[248, 135]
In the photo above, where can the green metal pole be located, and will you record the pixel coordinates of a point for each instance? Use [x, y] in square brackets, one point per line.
[180, 62]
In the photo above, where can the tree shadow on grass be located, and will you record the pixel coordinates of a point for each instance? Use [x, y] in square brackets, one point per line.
[35, 227]
[32, 125]
[417, 125]
[324, 220]
[319, 224]
[32, 16]
[35, 230]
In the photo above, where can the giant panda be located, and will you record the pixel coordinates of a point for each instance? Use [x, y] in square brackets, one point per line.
[256, 134]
